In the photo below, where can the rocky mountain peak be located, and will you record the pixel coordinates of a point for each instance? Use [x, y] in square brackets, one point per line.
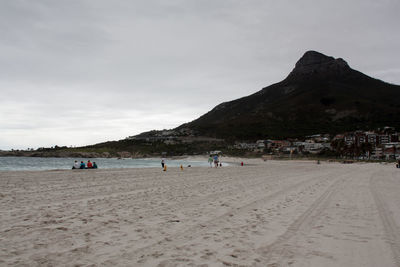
[313, 58]
[321, 95]
[318, 65]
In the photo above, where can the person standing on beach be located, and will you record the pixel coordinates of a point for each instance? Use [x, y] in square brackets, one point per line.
[162, 162]
[216, 161]
[210, 161]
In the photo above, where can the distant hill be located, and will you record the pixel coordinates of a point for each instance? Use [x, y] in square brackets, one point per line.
[321, 95]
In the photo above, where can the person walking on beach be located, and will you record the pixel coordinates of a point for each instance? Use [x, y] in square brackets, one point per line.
[210, 161]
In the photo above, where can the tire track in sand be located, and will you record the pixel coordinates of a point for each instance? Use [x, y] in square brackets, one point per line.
[196, 230]
[281, 252]
[392, 230]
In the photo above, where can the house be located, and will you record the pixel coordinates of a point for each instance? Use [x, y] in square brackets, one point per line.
[318, 138]
[377, 153]
[248, 146]
[313, 147]
[383, 139]
[326, 145]
[361, 138]
[276, 144]
[371, 138]
[394, 137]
[260, 144]
[170, 142]
[391, 151]
[350, 139]
[338, 137]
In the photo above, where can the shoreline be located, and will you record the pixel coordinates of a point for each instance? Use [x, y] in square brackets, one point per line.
[227, 161]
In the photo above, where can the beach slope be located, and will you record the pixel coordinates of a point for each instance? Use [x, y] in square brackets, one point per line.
[274, 213]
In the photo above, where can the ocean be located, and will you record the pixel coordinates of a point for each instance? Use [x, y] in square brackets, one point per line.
[37, 163]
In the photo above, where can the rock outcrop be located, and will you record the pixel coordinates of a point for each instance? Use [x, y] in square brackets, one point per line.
[314, 65]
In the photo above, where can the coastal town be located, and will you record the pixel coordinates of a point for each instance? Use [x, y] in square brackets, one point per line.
[375, 145]
[379, 144]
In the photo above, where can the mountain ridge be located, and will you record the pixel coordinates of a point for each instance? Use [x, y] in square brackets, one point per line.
[322, 94]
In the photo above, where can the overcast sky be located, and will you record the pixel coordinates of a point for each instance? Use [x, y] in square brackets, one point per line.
[82, 72]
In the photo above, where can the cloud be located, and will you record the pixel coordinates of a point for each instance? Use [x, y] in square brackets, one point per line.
[81, 72]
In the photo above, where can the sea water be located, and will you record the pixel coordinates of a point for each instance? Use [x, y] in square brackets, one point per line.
[38, 163]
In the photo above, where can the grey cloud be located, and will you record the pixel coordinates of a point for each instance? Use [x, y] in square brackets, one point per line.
[126, 64]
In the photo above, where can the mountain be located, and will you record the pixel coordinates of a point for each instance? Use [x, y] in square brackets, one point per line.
[321, 95]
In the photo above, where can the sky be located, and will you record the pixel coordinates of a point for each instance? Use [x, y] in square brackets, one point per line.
[76, 73]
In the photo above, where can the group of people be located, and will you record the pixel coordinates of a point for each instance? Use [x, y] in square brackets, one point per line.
[214, 160]
[164, 165]
[82, 165]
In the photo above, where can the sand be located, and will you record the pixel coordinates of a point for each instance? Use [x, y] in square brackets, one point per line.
[274, 213]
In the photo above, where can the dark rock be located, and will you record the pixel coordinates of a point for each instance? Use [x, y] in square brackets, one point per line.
[316, 65]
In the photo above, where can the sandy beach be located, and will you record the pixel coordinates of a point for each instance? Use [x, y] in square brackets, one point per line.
[273, 213]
